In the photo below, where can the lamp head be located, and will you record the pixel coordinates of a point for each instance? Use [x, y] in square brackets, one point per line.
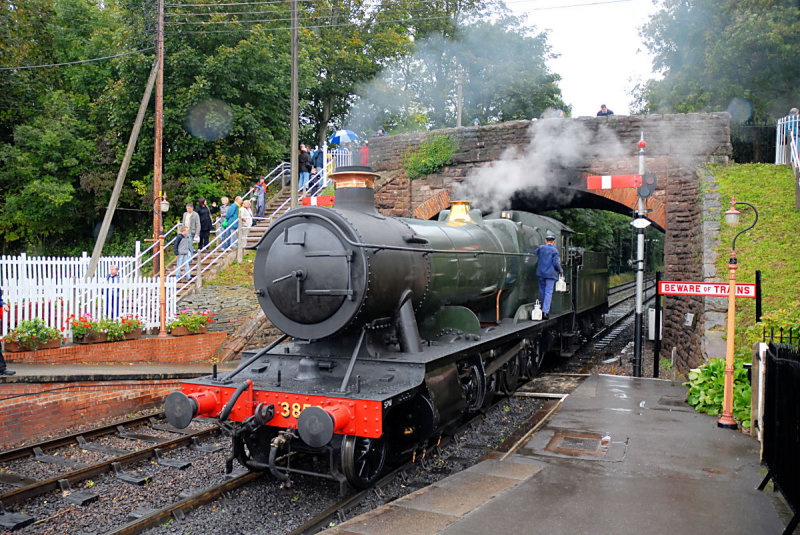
[732, 215]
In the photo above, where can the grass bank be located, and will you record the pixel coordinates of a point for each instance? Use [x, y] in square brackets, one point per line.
[771, 246]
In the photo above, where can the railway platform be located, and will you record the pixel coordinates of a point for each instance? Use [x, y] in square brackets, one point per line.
[622, 455]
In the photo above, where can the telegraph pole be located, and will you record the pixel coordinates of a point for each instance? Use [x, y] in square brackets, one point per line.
[158, 222]
[294, 144]
[123, 170]
[159, 119]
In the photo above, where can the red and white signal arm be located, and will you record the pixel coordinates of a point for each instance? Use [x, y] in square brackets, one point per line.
[710, 289]
[613, 181]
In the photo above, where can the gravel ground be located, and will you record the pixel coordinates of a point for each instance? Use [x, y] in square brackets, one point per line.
[283, 508]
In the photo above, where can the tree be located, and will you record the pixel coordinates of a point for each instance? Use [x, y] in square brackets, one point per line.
[711, 52]
[503, 71]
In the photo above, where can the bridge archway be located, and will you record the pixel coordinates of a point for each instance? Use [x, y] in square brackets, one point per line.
[678, 148]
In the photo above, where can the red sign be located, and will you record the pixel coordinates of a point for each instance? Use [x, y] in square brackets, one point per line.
[712, 289]
[321, 200]
[613, 181]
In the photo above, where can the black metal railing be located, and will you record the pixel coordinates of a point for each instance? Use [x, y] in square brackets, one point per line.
[781, 421]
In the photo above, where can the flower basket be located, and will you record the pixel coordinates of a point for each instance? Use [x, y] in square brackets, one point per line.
[180, 330]
[134, 334]
[13, 347]
[32, 334]
[92, 337]
[54, 344]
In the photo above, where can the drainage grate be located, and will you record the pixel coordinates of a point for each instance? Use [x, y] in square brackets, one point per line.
[579, 444]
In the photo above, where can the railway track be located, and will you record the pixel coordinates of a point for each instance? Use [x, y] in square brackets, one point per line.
[621, 294]
[117, 462]
[191, 499]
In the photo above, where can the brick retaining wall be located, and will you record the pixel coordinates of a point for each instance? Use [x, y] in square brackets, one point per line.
[174, 349]
[31, 411]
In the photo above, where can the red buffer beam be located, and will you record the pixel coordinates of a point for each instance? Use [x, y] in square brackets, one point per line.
[594, 182]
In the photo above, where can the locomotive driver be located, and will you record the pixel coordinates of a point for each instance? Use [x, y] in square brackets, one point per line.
[548, 269]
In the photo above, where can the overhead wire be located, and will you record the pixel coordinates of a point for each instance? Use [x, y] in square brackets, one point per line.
[25, 67]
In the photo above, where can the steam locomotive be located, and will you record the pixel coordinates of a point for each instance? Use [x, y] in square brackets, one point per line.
[399, 328]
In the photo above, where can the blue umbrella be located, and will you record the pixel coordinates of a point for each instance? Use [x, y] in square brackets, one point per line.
[342, 136]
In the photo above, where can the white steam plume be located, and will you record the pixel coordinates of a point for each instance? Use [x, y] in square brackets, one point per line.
[555, 145]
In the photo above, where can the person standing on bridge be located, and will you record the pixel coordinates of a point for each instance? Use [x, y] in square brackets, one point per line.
[604, 111]
[547, 269]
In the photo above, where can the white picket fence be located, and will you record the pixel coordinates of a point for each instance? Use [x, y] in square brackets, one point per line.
[36, 268]
[55, 301]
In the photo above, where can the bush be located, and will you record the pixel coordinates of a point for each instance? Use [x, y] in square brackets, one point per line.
[706, 389]
[785, 319]
[432, 156]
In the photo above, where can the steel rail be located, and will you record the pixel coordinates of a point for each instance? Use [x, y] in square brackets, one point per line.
[42, 487]
[324, 518]
[185, 505]
[110, 429]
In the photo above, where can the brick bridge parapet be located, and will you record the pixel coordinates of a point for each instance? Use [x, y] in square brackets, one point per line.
[678, 148]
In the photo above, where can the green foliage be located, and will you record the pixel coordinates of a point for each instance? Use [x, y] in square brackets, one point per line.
[612, 234]
[433, 154]
[330, 189]
[32, 334]
[417, 91]
[64, 130]
[784, 320]
[712, 51]
[236, 274]
[706, 389]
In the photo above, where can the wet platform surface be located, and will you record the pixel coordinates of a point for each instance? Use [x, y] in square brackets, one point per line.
[623, 455]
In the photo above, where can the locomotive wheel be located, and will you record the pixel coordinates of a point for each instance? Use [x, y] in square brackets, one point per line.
[362, 460]
[473, 382]
[533, 357]
[511, 374]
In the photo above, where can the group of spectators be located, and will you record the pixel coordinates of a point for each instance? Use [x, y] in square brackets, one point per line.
[196, 225]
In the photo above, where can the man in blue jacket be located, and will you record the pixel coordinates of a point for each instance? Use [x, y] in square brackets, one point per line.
[548, 269]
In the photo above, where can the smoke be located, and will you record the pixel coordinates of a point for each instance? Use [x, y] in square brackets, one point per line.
[555, 147]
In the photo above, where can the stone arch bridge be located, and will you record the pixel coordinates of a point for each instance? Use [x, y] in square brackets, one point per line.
[678, 148]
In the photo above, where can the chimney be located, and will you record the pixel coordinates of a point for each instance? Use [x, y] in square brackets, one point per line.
[355, 188]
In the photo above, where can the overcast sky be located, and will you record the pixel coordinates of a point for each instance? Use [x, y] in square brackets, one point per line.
[602, 56]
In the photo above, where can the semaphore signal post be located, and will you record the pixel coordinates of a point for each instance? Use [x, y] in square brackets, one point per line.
[646, 185]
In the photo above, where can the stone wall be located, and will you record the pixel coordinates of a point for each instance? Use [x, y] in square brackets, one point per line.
[678, 147]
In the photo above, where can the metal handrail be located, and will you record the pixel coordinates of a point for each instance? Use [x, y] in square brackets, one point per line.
[215, 246]
[276, 172]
